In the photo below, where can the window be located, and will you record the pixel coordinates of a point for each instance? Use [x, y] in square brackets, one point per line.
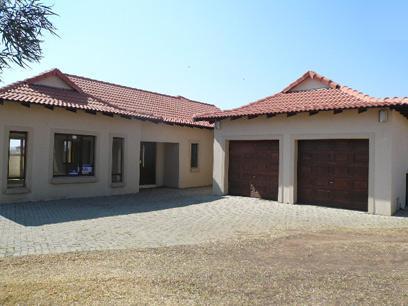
[17, 149]
[74, 155]
[194, 155]
[117, 160]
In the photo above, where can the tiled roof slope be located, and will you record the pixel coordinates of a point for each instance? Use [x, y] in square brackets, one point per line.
[335, 97]
[173, 109]
[98, 96]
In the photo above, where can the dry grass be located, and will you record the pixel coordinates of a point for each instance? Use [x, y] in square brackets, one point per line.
[336, 267]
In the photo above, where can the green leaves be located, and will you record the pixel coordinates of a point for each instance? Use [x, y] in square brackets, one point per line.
[22, 26]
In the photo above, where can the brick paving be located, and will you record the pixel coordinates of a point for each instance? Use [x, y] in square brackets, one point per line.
[161, 217]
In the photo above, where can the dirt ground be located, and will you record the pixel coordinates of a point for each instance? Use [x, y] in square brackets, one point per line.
[330, 267]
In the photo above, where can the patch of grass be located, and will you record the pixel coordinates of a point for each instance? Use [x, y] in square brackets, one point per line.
[331, 267]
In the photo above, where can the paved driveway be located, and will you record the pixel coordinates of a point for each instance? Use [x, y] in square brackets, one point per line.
[161, 217]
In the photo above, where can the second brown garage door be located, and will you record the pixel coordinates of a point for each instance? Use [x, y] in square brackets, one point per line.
[254, 168]
[334, 173]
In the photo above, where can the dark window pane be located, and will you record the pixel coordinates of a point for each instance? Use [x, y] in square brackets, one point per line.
[86, 157]
[17, 159]
[74, 155]
[117, 160]
[73, 166]
[116, 178]
[60, 156]
[194, 155]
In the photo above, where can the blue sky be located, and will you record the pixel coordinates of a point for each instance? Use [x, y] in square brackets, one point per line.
[229, 52]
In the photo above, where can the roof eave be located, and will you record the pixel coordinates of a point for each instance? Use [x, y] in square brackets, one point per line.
[212, 118]
[127, 115]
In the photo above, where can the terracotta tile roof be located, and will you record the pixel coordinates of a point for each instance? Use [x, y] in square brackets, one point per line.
[335, 97]
[172, 109]
[99, 96]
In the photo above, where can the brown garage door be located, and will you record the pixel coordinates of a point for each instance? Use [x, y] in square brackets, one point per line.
[254, 168]
[334, 173]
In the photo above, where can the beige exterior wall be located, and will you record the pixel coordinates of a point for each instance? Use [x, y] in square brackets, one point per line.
[385, 162]
[399, 159]
[41, 124]
[184, 136]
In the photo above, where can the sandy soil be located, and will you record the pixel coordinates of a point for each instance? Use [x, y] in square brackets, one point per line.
[327, 267]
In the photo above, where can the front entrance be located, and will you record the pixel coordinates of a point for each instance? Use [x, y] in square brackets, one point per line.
[147, 163]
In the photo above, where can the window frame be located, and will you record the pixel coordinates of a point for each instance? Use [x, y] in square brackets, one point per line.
[122, 164]
[197, 166]
[65, 157]
[23, 160]
[5, 155]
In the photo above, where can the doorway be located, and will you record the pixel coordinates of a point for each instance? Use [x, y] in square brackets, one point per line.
[147, 163]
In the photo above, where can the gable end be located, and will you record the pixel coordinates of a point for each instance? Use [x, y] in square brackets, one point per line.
[309, 84]
[53, 81]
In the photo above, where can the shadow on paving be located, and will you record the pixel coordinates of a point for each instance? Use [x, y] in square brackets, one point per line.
[58, 211]
[402, 213]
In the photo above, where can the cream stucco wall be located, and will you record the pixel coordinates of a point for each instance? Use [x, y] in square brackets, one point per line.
[42, 123]
[383, 160]
[399, 159]
[184, 136]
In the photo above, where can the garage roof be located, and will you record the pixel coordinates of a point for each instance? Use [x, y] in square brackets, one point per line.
[310, 93]
[55, 88]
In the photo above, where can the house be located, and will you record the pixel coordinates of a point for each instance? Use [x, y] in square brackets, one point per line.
[316, 142]
[65, 136]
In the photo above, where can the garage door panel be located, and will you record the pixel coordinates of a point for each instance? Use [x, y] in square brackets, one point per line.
[342, 172]
[260, 189]
[254, 168]
[322, 196]
[341, 157]
[360, 185]
[307, 171]
[361, 157]
[342, 184]
[358, 198]
[334, 173]
[323, 156]
[238, 188]
[306, 157]
[359, 171]
[320, 183]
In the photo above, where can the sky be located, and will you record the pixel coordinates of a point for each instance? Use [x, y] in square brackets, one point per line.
[229, 53]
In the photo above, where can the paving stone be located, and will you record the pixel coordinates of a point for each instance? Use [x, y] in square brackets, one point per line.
[161, 217]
